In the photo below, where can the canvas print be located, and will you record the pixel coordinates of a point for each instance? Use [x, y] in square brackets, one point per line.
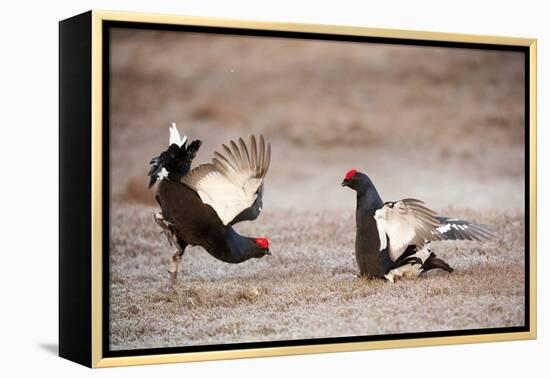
[268, 189]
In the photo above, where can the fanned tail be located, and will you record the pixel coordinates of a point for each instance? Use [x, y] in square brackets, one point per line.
[175, 160]
[190, 154]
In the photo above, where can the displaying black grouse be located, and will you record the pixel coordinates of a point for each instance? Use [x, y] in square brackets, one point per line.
[391, 237]
[200, 206]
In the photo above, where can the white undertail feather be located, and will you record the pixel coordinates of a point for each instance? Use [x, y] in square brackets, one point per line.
[404, 271]
[409, 270]
[162, 174]
[175, 137]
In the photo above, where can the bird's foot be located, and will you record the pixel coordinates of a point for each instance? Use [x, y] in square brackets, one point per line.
[166, 229]
[175, 264]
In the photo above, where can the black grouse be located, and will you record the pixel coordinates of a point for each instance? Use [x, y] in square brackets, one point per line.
[200, 206]
[391, 237]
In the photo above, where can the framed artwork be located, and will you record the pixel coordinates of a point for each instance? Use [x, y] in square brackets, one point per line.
[234, 189]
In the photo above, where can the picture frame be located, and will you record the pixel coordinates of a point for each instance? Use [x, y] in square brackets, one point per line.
[84, 105]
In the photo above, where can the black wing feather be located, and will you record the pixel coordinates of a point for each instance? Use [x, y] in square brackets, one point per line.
[458, 229]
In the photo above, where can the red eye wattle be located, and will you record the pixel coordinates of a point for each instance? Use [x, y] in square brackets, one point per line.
[350, 174]
[263, 243]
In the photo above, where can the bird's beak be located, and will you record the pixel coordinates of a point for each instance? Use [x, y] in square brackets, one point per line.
[267, 252]
[345, 183]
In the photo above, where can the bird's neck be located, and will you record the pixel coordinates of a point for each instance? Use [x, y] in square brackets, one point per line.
[175, 176]
[368, 201]
[240, 248]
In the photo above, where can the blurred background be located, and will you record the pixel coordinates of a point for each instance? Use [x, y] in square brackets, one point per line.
[440, 124]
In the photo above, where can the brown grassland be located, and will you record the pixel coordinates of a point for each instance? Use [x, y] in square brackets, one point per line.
[442, 125]
[308, 288]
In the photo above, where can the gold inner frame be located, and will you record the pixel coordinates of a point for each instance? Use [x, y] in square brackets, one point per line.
[97, 196]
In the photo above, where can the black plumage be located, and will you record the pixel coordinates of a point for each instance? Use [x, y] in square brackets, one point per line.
[391, 236]
[195, 223]
[175, 160]
[200, 206]
[372, 263]
[434, 262]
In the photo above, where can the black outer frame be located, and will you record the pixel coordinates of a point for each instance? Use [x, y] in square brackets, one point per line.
[75, 200]
[75, 189]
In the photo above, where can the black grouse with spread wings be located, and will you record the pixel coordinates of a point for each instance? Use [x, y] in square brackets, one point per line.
[391, 237]
[199, 207]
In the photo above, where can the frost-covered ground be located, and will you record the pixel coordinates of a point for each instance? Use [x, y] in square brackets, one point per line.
[308, 288]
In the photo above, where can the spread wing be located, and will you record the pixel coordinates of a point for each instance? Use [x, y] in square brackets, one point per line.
[458, 229]
[233, 181]
[406, 222]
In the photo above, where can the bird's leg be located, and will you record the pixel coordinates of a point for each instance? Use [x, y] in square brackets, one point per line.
[173, 239]
[176, 259]
[165, 228]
